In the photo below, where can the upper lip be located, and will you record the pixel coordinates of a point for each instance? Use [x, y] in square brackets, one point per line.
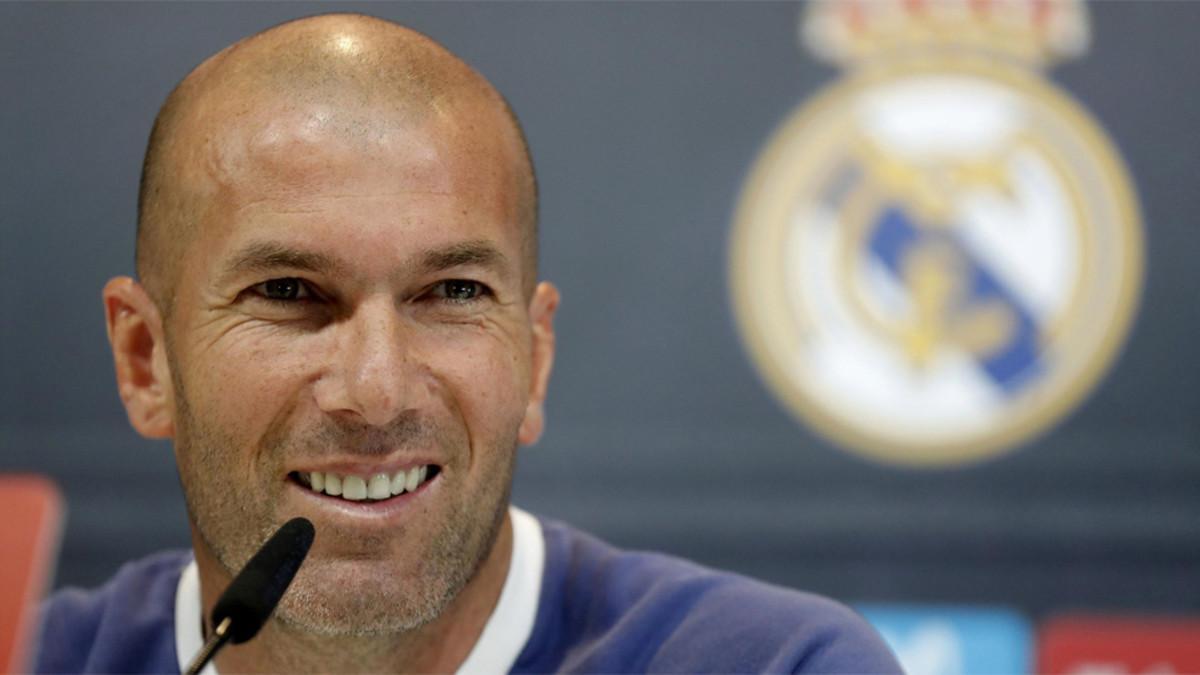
[358, 467]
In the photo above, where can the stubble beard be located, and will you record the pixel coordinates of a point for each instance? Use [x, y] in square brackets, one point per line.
[323, 600]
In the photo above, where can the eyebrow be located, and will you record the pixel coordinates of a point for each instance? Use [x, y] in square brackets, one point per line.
[265, 256]
[470, 253]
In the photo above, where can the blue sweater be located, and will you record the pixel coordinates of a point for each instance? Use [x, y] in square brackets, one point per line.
[601, 610]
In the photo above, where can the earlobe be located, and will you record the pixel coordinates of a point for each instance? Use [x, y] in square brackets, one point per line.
[135, 333]
[541, 315]
[532, 425]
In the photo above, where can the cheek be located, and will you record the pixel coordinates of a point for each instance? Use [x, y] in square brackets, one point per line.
[486, 375]
[246, 381]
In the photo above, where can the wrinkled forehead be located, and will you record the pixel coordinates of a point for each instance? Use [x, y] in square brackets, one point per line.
[357, 184]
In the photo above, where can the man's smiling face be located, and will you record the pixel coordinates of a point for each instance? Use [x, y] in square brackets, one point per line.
[356, 302]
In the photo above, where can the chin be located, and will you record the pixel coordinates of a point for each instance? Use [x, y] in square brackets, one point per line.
[331, 602]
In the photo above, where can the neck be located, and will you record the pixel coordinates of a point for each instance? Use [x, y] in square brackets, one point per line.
[439, 646]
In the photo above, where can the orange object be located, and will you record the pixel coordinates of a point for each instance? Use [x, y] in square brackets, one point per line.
[30, 527]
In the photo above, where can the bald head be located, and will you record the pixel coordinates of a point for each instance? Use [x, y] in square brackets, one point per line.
[351, 76]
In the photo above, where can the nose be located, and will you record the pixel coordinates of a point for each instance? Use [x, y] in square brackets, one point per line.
[371, 366]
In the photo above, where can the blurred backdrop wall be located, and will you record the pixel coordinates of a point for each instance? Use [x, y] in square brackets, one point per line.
[644, 120]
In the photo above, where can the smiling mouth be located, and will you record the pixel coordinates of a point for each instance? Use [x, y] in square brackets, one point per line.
[374, 488]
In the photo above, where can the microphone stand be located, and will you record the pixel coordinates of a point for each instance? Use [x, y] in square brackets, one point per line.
[215, 641]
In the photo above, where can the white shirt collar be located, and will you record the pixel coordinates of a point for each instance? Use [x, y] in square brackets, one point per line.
[505, 634]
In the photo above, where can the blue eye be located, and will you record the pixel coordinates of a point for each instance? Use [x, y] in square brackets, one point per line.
[283, 290]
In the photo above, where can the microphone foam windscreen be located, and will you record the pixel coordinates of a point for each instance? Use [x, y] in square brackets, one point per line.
[254, 592]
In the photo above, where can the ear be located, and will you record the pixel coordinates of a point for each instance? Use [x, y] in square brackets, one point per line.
[541, 315]
[135, 331]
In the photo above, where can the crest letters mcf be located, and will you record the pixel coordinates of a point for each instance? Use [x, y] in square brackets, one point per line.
[937, 257]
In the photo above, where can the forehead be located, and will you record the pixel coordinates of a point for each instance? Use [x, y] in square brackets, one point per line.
[283, 144]
[311, 168]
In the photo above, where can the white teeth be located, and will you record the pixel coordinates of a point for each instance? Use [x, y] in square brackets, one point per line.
[333, 484]
[379, 487]
[354, 488]
[398, 483]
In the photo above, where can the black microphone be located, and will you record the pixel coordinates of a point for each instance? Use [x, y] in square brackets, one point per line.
[252, 595]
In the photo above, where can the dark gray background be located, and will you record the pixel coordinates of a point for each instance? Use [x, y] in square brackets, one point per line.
[643, 119]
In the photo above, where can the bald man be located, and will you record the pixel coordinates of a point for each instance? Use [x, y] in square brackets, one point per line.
[337, 316]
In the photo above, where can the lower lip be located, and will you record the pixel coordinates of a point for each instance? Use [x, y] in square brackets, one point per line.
[382, 510]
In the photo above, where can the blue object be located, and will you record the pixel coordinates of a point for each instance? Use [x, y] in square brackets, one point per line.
[954, 640]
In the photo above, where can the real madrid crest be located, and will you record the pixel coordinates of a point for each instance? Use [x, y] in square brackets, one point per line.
[937, 257]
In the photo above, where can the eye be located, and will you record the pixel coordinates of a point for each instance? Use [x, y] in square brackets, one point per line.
[460, 290]
[286, 289]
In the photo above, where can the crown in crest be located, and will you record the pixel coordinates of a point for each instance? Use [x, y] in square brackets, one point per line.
[1031, 32]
